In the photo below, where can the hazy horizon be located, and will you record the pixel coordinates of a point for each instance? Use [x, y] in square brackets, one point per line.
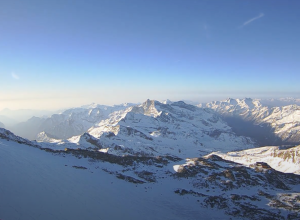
[62, 54]
[189, 101]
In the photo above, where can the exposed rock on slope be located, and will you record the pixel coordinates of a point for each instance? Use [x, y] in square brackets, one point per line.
[239, 192]
[281, 159]
[258, 193]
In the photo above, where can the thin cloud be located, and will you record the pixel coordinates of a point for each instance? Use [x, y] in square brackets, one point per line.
[15, 76]
[206, 30]
[252, 19]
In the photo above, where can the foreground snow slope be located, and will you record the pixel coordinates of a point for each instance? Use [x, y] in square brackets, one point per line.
[83, 184]
[38, 185]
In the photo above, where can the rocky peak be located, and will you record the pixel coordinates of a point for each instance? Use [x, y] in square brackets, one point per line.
[147, 108]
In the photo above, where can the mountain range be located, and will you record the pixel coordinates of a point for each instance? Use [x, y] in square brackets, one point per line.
[68, 123]
[155, 128]
[232, 159]
[251, 117]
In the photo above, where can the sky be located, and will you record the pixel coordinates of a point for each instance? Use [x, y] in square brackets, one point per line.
[66, 53]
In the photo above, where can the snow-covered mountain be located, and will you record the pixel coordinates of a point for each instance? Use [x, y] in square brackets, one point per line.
[279, 158]
[2, 125]
[76, 121]
[71, 122]
[85, 184]
[155, 128]
[157, 155]
[282, 122]
[247, 109]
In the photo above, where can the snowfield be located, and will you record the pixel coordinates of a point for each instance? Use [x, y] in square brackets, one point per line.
[42, 183]
[38, 185]
[283, 160]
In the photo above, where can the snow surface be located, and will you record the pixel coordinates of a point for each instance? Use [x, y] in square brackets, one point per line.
[38, 185]
[284, 160]
[47, 184]
[285, 120]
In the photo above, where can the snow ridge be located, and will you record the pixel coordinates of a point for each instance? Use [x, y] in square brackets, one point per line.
[9, 136]
[283, 160]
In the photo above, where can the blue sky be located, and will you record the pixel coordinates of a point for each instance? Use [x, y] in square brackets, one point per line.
[64, 53]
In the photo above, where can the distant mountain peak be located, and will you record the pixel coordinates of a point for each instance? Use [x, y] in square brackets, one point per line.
[92, 105]
[167, 101]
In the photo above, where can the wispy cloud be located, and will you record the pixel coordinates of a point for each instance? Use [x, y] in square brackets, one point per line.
[252, 19]
[206, 30]
[15, 76]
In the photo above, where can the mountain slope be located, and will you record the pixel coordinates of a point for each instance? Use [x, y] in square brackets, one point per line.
[251, 118]
[242, 193]
[154, 128]
[281, 159]
[9, 136]
[85, 184]
[28, 129]
[69, 123]
[38, 185]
